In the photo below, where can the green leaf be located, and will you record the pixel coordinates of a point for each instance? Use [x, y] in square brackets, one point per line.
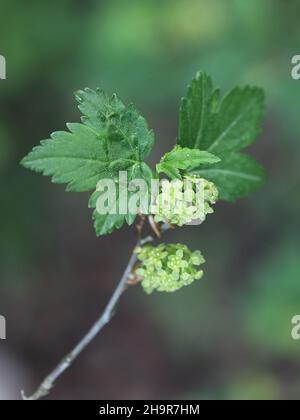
[237, 123]
[236, 176]
[102, 113]
[111, 138]
[218, 126]
[106, 223]
[76, 158]
[196, 112]
[224, 127]
[180, 159]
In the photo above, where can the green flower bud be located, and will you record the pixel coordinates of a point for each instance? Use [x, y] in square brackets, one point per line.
[168, 267]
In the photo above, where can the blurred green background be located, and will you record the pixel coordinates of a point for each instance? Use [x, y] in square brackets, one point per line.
[227, 336]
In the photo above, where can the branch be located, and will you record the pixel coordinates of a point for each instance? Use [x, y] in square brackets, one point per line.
[49, 382]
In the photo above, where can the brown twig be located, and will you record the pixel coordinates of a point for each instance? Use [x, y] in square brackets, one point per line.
[48, 383]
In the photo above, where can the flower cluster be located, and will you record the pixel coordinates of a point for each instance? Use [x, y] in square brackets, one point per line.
[168, 267]
[186, 201]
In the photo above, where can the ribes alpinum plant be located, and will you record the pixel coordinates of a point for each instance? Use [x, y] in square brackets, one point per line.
[113, 138]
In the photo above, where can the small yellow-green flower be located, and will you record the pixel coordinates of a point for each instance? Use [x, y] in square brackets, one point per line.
[182, 202]
[168, 267]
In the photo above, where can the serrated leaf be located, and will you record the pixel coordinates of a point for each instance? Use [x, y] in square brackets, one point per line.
[237, 122]
[220, 126]
[76, 158]
[106, 223]
[181, 159]
[100, 111]
[196, 111]
[236, 176]
[224, 127]
[111, 138]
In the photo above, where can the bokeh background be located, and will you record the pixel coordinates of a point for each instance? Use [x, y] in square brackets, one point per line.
[227, 336]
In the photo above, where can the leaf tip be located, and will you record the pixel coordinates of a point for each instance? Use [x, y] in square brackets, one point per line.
[23, 162]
